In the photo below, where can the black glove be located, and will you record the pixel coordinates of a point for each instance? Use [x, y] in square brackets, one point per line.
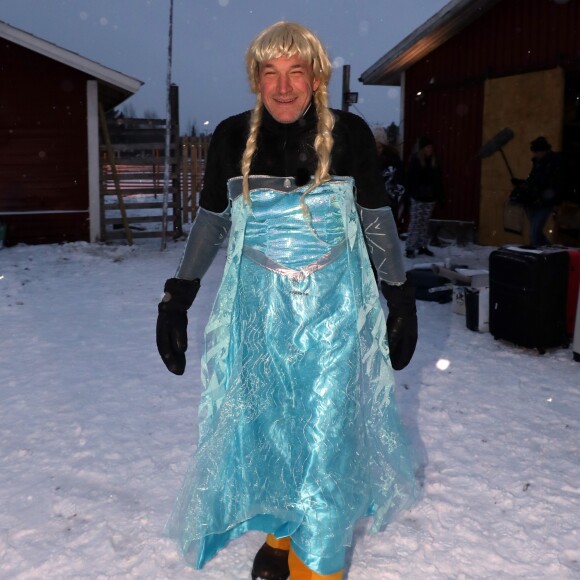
[401, 322]
[171, 328]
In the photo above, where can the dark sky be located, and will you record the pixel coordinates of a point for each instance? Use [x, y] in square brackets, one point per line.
[209, 41]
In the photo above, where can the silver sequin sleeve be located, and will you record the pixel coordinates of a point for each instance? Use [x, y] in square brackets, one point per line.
[382, 240]
[207, 233]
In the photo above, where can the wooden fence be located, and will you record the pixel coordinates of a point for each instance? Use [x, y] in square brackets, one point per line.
[192, 168]
[133, 178]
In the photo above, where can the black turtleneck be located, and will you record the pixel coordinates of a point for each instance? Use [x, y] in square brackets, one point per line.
[287, 150]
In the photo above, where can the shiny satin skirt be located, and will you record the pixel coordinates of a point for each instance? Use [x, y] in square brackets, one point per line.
[299, 433]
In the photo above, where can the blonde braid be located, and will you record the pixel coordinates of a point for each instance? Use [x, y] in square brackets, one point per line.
[322, 143]
[324, 140]
[251, 145]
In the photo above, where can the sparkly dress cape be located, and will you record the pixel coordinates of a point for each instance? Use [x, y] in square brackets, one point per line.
[299, 433]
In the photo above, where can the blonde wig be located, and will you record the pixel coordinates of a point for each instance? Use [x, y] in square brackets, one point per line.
[288, 39]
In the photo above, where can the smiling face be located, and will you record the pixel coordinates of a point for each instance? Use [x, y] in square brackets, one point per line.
[286, 85]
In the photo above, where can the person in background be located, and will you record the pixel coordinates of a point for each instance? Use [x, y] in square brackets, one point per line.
[393, 173]
[543, 189]
[299, 433]
[425, 189]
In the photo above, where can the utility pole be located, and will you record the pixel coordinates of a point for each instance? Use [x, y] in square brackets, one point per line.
[168, 121]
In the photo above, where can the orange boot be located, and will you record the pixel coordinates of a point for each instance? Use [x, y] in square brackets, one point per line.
[278, 543]
[271, 561]
[300, 571]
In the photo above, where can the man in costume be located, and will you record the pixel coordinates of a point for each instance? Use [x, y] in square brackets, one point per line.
[299, 433]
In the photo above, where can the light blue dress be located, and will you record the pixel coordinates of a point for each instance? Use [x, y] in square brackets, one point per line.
[299, 433]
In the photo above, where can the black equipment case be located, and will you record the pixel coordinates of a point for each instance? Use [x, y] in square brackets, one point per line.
[527, 296]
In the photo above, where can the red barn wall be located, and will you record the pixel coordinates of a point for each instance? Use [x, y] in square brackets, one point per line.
[43, 148]
[513, 37]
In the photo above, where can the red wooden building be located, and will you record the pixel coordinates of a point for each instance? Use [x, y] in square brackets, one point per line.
[49, 138]
[474, 68]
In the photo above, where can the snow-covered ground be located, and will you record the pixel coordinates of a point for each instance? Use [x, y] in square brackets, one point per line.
[96, 434]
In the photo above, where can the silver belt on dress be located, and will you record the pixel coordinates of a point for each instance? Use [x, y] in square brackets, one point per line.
[301, 273]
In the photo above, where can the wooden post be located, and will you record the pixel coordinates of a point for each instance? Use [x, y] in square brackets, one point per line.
[111, 155]
[345, 86]
[175, 181]
[195, 148]
[185, 177]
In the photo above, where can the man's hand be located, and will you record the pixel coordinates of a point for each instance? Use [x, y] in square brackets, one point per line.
[171, 331]
[401, 322]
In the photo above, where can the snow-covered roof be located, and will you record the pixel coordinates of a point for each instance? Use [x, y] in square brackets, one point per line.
[125, 85]
[442, 26]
